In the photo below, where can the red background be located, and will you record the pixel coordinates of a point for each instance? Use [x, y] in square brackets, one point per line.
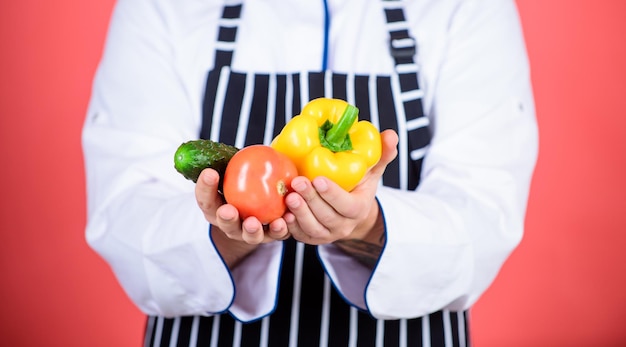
[562, 287]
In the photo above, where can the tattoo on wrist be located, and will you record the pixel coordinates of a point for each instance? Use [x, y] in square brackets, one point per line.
[365, 252]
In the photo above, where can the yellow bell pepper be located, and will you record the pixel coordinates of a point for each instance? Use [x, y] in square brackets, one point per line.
[326, 139]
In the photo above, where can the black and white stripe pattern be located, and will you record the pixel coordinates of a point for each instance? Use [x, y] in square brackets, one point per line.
[414, 135]
[301, 322]
[205, 331]
[263, 104]
[310, 312]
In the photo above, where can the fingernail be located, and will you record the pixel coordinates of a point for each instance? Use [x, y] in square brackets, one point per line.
[209, 179]
[249, 227]
[298, 184]
[292, 201]
[289, 218]
[227, 217]
[226, 213]
[320, 184]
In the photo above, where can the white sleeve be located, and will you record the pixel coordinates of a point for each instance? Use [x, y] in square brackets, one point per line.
[447, 240]
[142, 215]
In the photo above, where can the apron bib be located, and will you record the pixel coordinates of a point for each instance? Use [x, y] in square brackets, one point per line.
[246, 108]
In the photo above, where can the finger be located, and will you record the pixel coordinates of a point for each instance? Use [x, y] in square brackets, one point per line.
[316, 204]
[294, 229]
[206, 192]
[314, 210]
[253, 232]
[277, 230]
[302, 224]
[389, 140]
[227, 219]
[370, 182]
[340, 202]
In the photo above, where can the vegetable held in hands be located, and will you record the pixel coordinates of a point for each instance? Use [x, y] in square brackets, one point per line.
[326, 139]
[194, 156]
[256, 181]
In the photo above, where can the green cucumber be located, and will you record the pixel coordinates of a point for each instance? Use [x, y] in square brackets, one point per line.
[194, 156]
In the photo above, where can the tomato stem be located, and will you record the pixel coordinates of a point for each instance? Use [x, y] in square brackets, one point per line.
[337, 138]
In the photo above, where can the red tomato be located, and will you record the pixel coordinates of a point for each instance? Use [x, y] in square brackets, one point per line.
[256, 180]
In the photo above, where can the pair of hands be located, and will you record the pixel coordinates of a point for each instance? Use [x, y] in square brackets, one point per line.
[319, 211]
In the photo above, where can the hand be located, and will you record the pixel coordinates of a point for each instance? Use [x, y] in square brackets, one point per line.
[321, 212]
[233, 237]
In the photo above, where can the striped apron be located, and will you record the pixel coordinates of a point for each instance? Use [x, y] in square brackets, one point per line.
[246, 108]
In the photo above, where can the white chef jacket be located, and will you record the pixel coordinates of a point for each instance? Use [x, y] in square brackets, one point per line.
[446, 241]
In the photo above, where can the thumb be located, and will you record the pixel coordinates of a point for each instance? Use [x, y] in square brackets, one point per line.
[389, 139]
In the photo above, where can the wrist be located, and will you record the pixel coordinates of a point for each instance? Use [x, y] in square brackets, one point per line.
[365, 244]
[232, 251]
[372, 229]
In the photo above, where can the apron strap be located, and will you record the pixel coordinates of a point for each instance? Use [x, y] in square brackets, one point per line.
[402, 45]
[226, 35]
[403, 49]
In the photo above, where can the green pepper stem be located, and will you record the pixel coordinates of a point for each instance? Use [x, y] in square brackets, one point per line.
[336, 135]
